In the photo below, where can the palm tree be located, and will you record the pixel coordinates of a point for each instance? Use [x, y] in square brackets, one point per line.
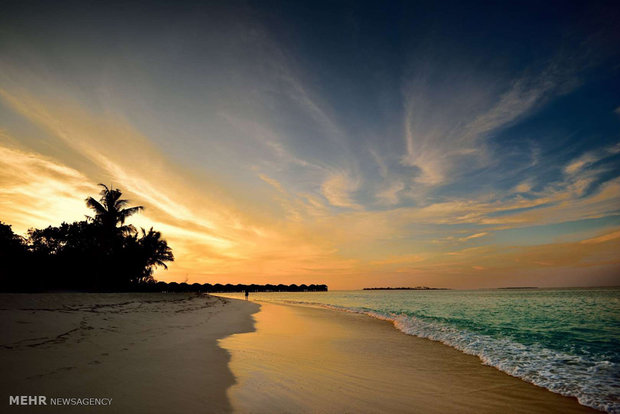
[156, 252]
[110, 210]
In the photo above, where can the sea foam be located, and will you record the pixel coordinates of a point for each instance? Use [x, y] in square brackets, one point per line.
[594, 383]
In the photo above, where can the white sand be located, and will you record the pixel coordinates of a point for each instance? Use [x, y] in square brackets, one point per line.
[150, 353]
[309, 360]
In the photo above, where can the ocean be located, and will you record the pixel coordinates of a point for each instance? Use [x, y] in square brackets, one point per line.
[565, 340]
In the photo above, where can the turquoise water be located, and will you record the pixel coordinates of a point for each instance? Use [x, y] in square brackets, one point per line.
[566, 340]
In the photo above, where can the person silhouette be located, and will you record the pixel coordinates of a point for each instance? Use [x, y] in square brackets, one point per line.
[247, 294]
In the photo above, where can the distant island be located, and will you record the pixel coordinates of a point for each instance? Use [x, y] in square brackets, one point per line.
[406, 288]
[519, 287]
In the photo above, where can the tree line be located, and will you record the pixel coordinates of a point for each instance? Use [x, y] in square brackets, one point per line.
[228, 288]
[100, 253]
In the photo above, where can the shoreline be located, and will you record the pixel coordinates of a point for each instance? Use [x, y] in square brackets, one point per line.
[150, 353]
[179, 352]
[402, 327]
[332, 361]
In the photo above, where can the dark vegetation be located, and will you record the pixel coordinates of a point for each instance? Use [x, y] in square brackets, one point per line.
[207, 288]
[100, 253]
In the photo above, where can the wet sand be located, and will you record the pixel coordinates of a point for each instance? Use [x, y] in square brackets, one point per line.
[308, 360]
[150, 353]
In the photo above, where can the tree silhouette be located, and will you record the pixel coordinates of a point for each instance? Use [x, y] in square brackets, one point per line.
[99, 254]
[110, 210]
[156, 252]
[13, 257]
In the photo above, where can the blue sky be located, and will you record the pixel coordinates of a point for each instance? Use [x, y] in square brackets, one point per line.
[382, 139]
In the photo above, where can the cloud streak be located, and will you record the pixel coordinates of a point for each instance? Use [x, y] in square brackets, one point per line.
[338, 189]
[449, 115]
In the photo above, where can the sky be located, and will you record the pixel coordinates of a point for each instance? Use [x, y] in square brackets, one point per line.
[351, 143]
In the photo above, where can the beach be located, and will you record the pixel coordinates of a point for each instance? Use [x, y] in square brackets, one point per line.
[149, 353]
[188, 353]
[302, 359]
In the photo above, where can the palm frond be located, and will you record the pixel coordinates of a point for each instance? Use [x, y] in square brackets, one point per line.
[96, 205]
[120, 204]
[128, 230]
[130, 211]
[160, 263]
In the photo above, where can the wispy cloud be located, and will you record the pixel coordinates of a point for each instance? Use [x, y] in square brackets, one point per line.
[390, 194]
[272, 182]
[338, 189]
[524, 187]
[447, 120]
[256, 132]
[473, 236]
[591, 157]
[603, 238]
[36, 191]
